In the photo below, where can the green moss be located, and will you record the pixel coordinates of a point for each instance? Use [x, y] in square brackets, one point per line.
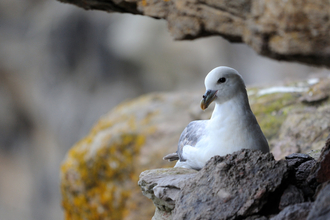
[271, 110]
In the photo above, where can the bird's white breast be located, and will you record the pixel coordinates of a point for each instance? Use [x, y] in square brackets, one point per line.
[231, 128]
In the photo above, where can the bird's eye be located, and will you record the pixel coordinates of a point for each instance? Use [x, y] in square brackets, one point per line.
[221, 80]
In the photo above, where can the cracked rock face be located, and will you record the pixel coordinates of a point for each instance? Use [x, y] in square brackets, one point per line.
[228, 187]
[236, 185]
[321, 206]
[244, 185]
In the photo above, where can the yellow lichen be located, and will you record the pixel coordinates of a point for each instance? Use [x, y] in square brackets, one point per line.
[144, 2]
[98, 185]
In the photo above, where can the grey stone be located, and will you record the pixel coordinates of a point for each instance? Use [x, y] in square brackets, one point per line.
[322, 168]
[320, 172]
[291, 195]
[301, 177]
[162, 186]
[256, 217]
[295, 159]
[230, 187]
[321, 207]
[301, 166]
[302, 131]
[303, 171]
[294, 212]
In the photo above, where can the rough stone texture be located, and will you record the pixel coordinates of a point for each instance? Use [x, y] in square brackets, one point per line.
[294, 160]
[286, 30]
[303, 171]
[294, 212]
[245, 185]
[302, 181]
[291, 195]
[290, 125]
[237, 185]
[321, 207]
[135, 136]
[162, 186]
[292, 138]
[301, 166]
[256, 217]
[320, 173]
[323, 165]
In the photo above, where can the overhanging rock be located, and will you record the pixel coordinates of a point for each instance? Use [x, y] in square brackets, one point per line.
[289, 30]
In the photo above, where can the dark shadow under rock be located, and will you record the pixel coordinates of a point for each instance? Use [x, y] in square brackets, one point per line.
[233, 186]
[291, 195]
[294, 212]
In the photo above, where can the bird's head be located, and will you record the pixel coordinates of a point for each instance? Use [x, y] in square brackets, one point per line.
[222, 84]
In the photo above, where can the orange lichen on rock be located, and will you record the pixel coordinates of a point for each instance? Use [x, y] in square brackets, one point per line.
[94, 181]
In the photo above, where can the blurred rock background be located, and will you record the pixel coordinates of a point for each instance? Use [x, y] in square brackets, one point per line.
[61, 68]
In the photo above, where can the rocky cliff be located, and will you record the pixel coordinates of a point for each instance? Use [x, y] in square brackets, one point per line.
[244, 185]
[284, 30]
[99, 174]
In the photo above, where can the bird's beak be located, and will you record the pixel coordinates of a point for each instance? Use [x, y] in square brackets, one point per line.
[208, 98]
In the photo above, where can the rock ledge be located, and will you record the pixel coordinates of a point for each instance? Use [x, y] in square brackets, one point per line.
[244, 185]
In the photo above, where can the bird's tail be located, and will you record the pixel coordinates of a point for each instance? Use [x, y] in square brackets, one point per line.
[171, 157]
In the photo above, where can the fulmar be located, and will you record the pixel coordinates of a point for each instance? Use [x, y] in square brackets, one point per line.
[232, 126]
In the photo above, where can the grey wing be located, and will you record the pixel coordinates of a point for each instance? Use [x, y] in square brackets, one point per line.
[190, 135]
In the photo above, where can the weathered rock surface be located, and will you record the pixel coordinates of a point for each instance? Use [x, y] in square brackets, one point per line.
[301, 166]
[162, 186]
[292, 138]
[256, 217]
[244, 185]
[321, 207]
[291, 195]
[237, 185]
[286, 30]
[135, 136]
[230, 187]
[301, 178]
[321, 170]
[294, 212]
[296, 159]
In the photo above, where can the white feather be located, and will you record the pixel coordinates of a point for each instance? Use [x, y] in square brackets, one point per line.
[232, 126]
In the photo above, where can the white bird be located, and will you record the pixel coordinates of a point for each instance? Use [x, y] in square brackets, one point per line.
[231, 128]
